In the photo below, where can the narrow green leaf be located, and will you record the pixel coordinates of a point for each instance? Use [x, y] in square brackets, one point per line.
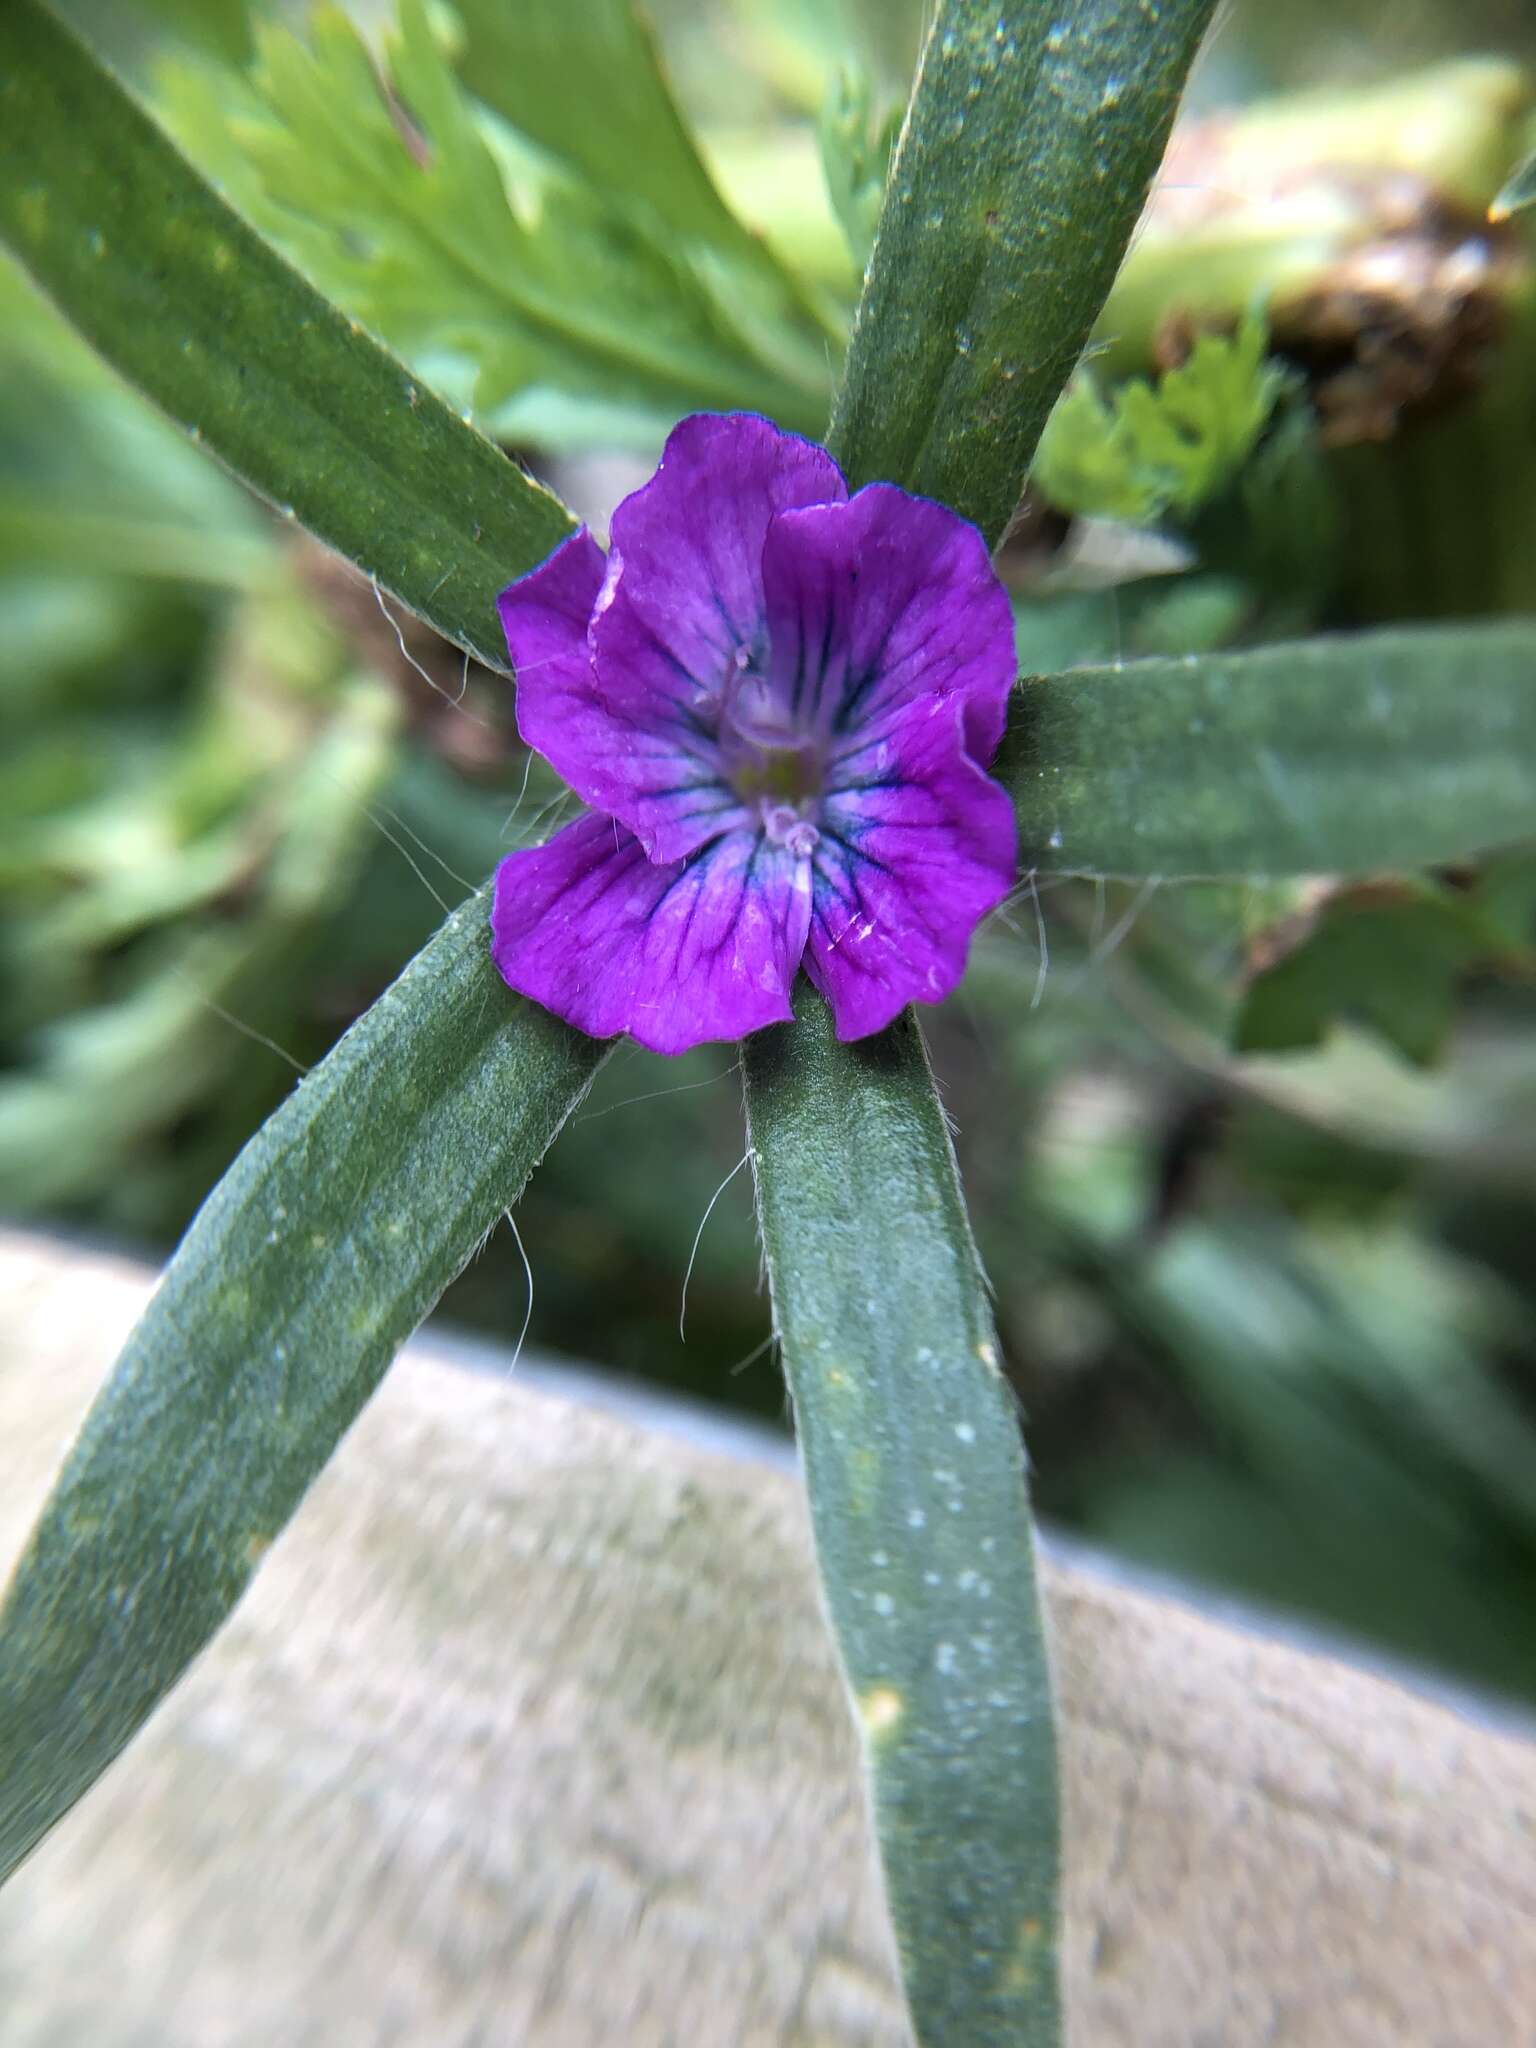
[915, 1473]
[1352, 755]
[1033, 137]
[1021, 168]
[183, 299]
[320, 1251]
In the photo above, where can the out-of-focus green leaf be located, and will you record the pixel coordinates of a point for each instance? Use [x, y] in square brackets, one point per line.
[38, 537]
[388, 192]
[586, 83]
[1390, 956]
[126, 31]
[174, 1024]
[775, 177]
[1278, 527]
[794, 46]
[1023, 165]
[182, 298]
[1356, 755]
[1141, 450]
[91, 482]
[856, 157]
[915, 1474]
[1362, 1451]
[223, 26]
[1154, 615]
[1518, 192]
[328, 1241]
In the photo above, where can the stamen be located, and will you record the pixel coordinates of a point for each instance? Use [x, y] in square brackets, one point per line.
[784, 826]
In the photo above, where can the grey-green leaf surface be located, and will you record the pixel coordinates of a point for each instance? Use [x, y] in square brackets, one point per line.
[1349, 755]
[1031, 142]
[915, 1473]
[188, 303]
[322, 1248]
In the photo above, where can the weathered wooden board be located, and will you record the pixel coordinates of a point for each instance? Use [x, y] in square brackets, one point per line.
[528, 1737]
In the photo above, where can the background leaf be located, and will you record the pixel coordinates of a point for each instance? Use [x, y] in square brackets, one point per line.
[856, 147]
[915, 1474]
[1389, 956]
[1358, 754]
[182, 298]
[103, 1081]
[586, 83]
[483, 261]
[1518, 192]
[1142, 449]
[317, 1255]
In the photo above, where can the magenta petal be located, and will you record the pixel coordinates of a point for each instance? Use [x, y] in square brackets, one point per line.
[624, 751]
[908, 865]
[545, 616]
[545, 613]
[677, 954]
[881, 601]
[690, 542]
[682, 612]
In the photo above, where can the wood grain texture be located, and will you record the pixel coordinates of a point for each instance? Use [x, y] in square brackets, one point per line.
[529, 1734]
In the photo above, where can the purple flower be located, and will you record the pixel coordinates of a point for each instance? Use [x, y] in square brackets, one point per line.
[779, 702]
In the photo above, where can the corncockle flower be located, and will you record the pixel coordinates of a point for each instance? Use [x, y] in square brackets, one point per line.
[779, 701]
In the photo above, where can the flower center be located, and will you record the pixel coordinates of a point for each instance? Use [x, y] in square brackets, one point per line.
[770, 765]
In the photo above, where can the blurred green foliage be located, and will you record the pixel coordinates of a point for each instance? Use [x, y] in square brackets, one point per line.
[1517, 192]
[1252, 1168]
[1146, 449]
[856, 145]
[570, 301]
